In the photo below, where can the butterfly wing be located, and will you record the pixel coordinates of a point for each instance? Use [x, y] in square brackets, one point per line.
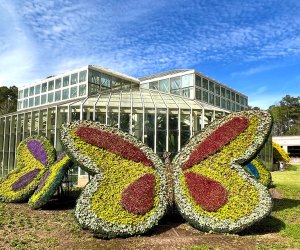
[258, 170]
[212, 190]
[34, 155]
[127, 194]
[50, 182]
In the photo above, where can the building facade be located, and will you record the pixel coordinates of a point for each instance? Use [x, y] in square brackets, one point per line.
[162, 110]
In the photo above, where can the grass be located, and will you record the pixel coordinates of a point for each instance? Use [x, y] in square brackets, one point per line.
[54, 227]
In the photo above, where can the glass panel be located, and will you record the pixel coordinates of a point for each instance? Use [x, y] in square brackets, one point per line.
[153, 85]
[66, 81]
[222, 92]
[43, 99]
[237, 98]
[211, 99]
[65, 94]
[164, 85]
[74, 78]
[44, 87]
[116, 83]
[223, 103]
[145, 85]
[21, 94]
[124, 121]
[82, 90]
[126, 85]
[37, 101]
[186, 92]
[73, 92]
[37, 89]
[228, 93]
[94, 77]
[50, 97]
[204, 83]
[25, 92]
[82, 76]
[228, 106]
[93, 88]
[198, 81]
[217, 101]
[217, 89]
[57, 95]
[105, 81]
[211, 86]
[173, 133]
[112, 119]
[57, 83]
[25, 103]
[31, 91]
[175, 85]
[233, 96]
[198, 94]
[149, 129]
[205, 96]
[187, 80]
[31, 102]
[50, 85]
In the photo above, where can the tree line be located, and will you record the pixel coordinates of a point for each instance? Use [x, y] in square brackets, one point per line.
[286, 116]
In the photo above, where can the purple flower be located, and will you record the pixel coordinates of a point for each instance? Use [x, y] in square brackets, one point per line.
[38, 151]
[43, 181]
[62, 155]
[24, 180]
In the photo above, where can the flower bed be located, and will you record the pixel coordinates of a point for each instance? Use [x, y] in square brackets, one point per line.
[238, 199]
[50, 182]
[257, 169]
[34, 155]
[127, 194]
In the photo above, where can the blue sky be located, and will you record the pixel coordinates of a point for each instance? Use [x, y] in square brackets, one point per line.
[251, 46]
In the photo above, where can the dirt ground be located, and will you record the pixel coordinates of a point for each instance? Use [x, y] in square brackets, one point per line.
[54, 227]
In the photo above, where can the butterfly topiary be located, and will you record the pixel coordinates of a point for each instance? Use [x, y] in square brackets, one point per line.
[258, 170]
[128, 195]
[35, 159]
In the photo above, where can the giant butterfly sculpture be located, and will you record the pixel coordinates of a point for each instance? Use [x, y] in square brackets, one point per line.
[37, 175]
[127, 194]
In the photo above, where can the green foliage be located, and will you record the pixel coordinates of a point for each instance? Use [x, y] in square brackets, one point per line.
[279, 154]
[8, 99]
[286, 116]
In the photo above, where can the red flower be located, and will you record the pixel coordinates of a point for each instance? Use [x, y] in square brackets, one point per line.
[138, 197]
[217, 139]
[207, 193]
[113, 143]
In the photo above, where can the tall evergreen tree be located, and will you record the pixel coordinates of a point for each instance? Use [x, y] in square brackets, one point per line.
[8, 99]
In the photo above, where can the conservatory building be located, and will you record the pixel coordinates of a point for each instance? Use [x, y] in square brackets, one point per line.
[162, 110]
